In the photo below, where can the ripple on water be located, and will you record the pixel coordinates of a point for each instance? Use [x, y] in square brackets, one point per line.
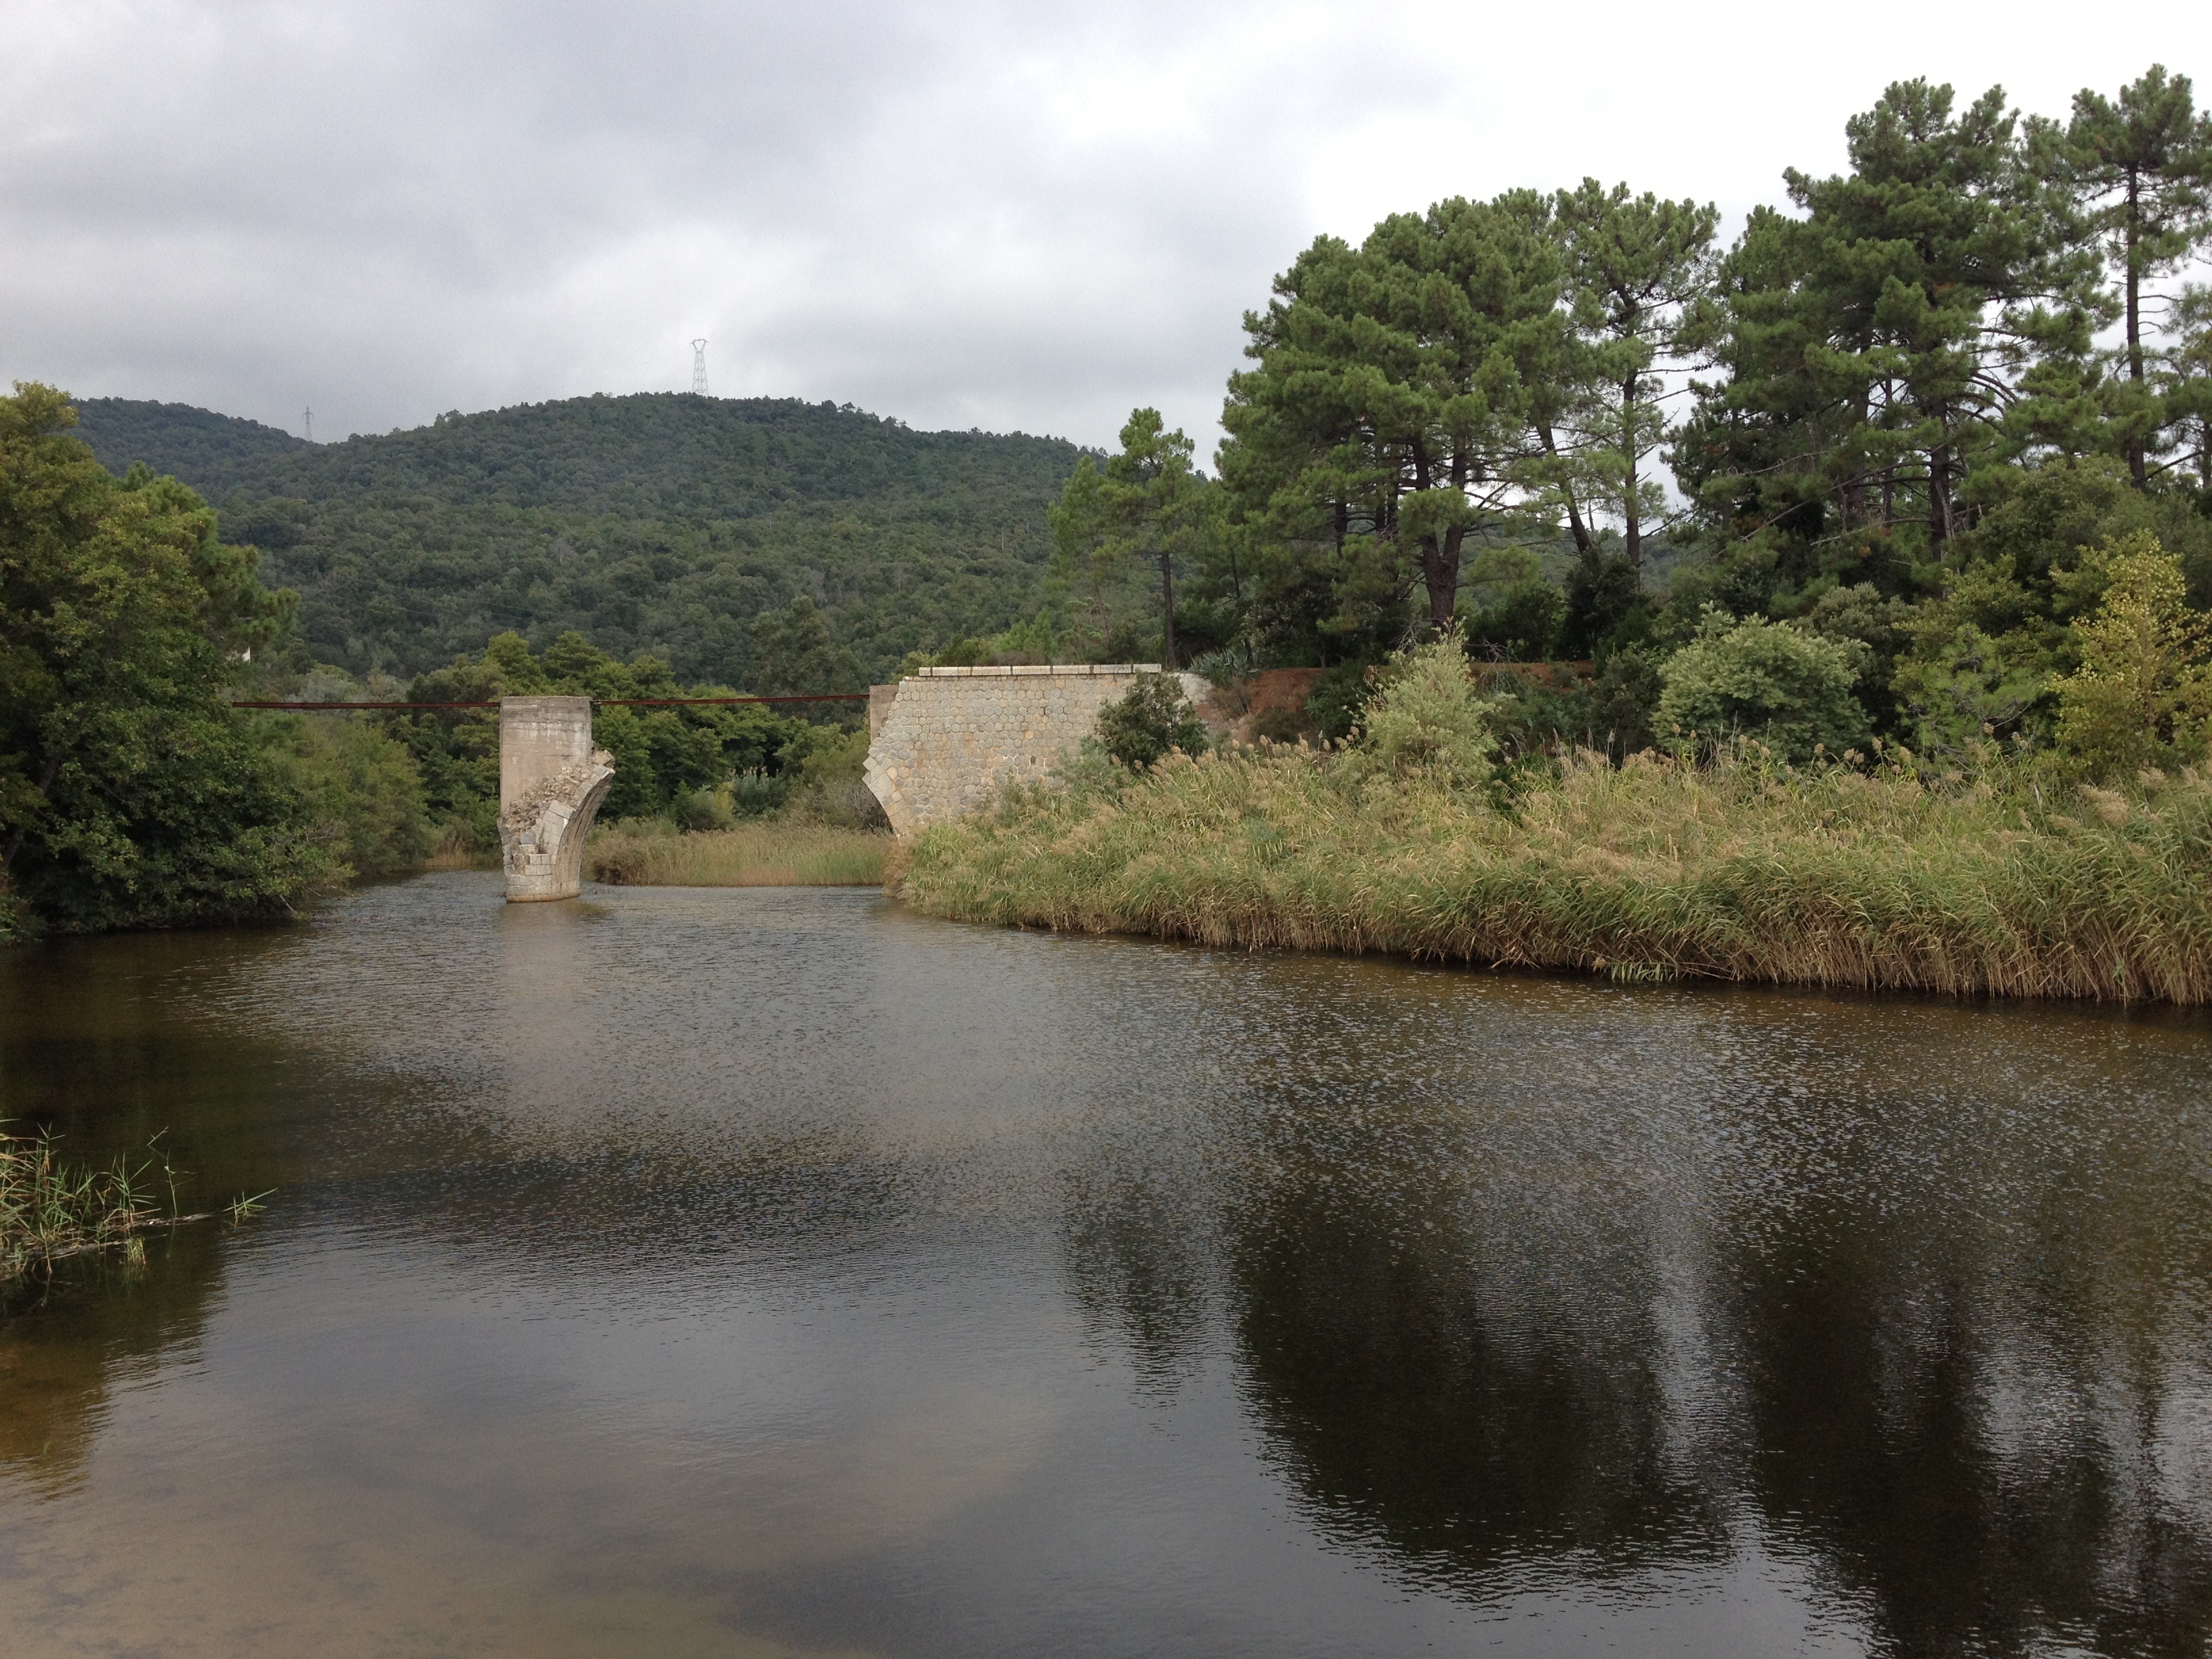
[776, 1271]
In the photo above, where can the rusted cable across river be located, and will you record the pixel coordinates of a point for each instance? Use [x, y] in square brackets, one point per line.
[601, 702]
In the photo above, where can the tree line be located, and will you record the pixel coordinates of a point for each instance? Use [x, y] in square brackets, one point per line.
[1892, 415]
[1936, 434]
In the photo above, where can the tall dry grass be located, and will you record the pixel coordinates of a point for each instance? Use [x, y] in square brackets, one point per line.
[780, 853]
[456, 849]
[1741, 869]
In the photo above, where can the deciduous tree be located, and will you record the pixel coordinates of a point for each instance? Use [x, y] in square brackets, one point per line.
[131, 793]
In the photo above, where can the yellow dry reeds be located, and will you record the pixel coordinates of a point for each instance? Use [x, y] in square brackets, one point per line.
[1741, 869]
[780, 853]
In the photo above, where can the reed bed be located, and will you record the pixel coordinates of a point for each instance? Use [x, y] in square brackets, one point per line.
[50, 1210]
[781, 852]
[456, 849]
[1741, 869]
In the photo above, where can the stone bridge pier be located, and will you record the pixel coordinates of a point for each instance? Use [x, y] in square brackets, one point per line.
[552, 781]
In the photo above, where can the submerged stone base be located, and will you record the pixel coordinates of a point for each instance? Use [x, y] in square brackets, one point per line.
[552, 781]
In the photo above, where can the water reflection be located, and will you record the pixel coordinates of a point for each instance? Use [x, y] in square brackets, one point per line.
[63, 1355]
[1414, 1412]
[829, 1279]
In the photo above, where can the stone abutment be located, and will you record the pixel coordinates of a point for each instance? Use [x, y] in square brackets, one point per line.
[944, 741]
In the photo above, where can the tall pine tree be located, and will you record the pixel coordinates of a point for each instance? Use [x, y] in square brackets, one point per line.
[1388, 412]
[1877, 350]
[1634, 264]
[2141, 167]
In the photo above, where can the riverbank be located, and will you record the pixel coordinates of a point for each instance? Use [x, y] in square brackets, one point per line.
[1743, 870]
[770, 854]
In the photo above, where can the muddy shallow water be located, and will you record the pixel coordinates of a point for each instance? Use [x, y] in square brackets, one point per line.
[775, 1272]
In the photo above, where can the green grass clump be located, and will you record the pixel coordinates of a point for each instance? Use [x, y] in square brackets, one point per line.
[50, 1210]
[1741, 868]
[779, 853]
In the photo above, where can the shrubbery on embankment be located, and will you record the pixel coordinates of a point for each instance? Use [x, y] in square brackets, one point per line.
[1994, 876]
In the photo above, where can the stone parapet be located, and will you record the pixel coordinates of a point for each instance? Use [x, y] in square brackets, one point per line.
[949, 738]
[1050, 670]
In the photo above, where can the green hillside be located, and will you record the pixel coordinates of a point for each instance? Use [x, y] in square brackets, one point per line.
[208, 451]
[662, 523]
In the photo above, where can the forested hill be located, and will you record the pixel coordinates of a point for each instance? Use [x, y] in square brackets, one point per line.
[662, 522]
[209, 452]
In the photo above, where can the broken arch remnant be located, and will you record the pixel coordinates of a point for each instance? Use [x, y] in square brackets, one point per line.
[552, 781]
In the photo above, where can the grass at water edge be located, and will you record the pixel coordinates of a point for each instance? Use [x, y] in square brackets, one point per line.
[775, 853]
[1741, 870]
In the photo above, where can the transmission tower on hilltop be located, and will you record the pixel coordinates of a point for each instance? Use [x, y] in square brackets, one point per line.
[699, 366]
[307, 420]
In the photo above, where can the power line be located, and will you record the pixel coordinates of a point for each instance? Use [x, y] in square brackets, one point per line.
[699, 368]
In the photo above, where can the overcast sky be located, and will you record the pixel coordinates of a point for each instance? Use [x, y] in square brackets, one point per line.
[1021, 217]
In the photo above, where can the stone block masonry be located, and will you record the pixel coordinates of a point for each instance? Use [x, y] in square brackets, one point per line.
[552, 781]
[945, 740]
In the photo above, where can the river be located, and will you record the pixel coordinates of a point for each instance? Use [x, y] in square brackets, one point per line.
[775, 1271]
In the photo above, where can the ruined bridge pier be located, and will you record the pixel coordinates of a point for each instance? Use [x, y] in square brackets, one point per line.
[551, 781]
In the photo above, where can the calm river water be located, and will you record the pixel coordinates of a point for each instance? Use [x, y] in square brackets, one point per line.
[748, 1273]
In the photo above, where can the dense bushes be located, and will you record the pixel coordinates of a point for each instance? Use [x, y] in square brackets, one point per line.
[359, 786]
[1789, 688]
[130, 794]
[1151, 720]
[2141, 697]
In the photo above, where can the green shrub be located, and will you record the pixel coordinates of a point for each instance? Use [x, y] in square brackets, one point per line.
[1521, 625]
[702, 810]
[756, 793]
[1333, 702]
[1153, 721]
[1622, 700]
[1426, 716]
[1282, 725]
[2142, 697]
[825, 766]
[361, 786]
[1789, 689]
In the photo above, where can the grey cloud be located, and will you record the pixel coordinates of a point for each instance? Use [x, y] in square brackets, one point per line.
[989, 214]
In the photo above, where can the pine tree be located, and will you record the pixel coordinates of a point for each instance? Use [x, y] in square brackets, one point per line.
[1634, 264]
[1148, 504]
[2141, 166]
[1389, 413]
[2185, 389]
[1878, 349]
